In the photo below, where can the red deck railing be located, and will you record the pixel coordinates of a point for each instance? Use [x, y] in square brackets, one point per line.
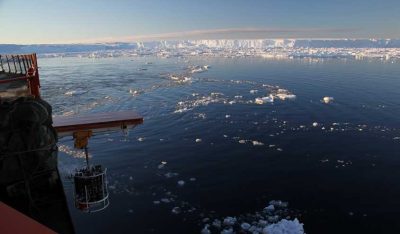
[24, 65]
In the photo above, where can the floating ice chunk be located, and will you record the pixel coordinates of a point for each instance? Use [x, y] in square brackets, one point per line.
[271, 146]
[257, 143]
[205, 230]
[227, 231]
[192, 179]
[198, 140]
[229, 221]
[75, 92]
[227, 116]
[327, 100]
[162, 165]
[165, 200]
[170, 174]
[278, 203]
[279, 149]
[245, 226]
[130, 178]
[285, 227]
[156, 202]
[141, 139]
[176, 210]
[217, 223]
[181, 183]
[263, 100]
[242, 141]
[396, 138]
[270, 208]
[253, 91]
[315, 124]
[284, 96]
[134, 92]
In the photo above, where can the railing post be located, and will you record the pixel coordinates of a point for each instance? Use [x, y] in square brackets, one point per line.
[8, 63]
[23, 62]
[15, 66]
[19, 62]
[1, 63]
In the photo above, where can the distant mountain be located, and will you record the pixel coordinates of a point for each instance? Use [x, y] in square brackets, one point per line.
[215, 44]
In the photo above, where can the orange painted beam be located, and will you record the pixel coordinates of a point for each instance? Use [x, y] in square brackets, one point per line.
[14, 222]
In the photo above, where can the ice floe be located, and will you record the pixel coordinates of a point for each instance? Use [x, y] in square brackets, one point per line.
[327, 100]
[273, 219]
[257, 143]
[262, 100]
[181, 183]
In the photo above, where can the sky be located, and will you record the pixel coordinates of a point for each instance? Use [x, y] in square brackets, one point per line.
[89, 21]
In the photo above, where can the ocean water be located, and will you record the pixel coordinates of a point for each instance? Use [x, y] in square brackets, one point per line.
[337, 164]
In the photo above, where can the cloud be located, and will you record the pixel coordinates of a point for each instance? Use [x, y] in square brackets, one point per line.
[230, 33]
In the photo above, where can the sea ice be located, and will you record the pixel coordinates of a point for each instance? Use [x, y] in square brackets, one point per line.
[270, 208]
[315, 124]
[181, 183]
[176, 210]
[165, 200]
[229, 221]
[198, 140]
[327, 100]
[285, 227]
[227, 231]
[257, 143]
[205, 230]
[170, 174]
[263, 100]
[245, 226]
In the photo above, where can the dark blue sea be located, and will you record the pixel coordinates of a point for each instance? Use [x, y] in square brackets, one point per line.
[207, 151]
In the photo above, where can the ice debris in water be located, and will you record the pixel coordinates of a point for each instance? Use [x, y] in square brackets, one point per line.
[274, 219]
[270, 208]
[284, 94]
[253, 91]
[315, 124]
[181, 183]
[327, 100]
[170, 174]
[192, 179]
[205, 230]
[229, 221]
[75, 92]
[263, 100]
[245, 226]
[176, 210]
[284, 227]
[198, 69]
[180, 78]
[257, 143]
[141, 139]
[198, 140]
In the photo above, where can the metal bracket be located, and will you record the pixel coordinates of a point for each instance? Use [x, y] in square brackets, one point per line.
[81, 138]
